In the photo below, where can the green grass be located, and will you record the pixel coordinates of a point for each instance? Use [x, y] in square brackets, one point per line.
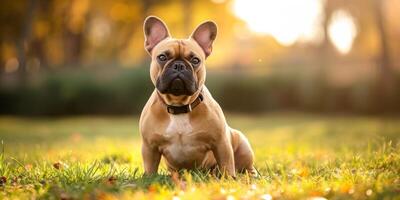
[299, 156]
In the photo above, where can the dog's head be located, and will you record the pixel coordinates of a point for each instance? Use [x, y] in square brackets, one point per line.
[178, 65]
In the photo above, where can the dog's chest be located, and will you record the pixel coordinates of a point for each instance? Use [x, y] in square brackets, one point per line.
[178, 125]
[182, 145]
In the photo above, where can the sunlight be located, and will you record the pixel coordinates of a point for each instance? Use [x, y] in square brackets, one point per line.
[342, 31]
[287, 21]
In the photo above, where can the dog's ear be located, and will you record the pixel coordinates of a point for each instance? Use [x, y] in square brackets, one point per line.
[205, 35]
[155, 31]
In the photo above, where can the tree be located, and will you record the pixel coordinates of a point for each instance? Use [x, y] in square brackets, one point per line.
[25, 35]
[385, 82]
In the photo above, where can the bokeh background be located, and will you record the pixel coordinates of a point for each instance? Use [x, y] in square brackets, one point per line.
[60, 57]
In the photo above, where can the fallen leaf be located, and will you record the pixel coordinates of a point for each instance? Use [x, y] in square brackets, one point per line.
[3, 180]
[111, 180]
[57, 165]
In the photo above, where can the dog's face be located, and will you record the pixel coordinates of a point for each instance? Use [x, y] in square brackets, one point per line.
[178, 65]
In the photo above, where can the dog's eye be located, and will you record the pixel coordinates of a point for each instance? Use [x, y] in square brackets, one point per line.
[195, 61]
[162, 58]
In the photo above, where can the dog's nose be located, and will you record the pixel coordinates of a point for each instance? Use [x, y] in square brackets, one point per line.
[179, 66]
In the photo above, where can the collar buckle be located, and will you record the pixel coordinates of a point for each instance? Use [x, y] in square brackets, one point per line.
[170, 109]
[189, 106]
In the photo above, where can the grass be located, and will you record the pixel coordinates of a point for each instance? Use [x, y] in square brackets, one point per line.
[299, 156]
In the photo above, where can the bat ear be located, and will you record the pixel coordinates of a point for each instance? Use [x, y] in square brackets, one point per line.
[205, 35]
[155, 31]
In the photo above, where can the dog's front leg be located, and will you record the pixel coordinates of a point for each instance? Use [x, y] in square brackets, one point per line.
[223, 153]
[151, 159]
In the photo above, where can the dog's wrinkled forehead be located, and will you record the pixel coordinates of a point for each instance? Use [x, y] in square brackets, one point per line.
[178, 48]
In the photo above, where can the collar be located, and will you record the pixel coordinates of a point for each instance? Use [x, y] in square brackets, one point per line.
[185, 108]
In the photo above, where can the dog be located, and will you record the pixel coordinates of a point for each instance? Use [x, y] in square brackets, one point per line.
[181, 121]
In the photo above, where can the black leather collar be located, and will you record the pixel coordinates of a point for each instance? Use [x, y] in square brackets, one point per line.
[185, 108]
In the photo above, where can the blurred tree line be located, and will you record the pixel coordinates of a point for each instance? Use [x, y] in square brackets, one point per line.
[86, 56]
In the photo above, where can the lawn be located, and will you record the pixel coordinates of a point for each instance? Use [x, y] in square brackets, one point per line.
[298, 156]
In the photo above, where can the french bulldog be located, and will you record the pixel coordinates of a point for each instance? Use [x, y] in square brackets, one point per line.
[181, 121]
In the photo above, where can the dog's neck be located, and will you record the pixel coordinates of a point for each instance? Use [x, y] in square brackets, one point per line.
[180, 109]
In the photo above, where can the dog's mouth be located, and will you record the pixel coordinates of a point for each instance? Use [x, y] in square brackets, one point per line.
[179, 85]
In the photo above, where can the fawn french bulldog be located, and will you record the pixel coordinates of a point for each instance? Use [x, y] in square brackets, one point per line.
[181, 121]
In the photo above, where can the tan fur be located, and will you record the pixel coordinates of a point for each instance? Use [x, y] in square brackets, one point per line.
[198, 139]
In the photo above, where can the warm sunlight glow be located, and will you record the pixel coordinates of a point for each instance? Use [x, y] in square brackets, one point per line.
[342, 31]
[287, 21]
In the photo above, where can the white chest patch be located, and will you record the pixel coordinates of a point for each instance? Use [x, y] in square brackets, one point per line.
[179, 124]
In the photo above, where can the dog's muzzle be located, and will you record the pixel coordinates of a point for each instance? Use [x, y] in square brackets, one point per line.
[177, 79]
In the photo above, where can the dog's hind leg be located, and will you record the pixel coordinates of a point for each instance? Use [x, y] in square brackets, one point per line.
[243, 154]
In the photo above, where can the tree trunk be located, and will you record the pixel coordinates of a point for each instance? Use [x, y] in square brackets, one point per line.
[384, 53]
[74, 39]
[384, 81]
[25, 35]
